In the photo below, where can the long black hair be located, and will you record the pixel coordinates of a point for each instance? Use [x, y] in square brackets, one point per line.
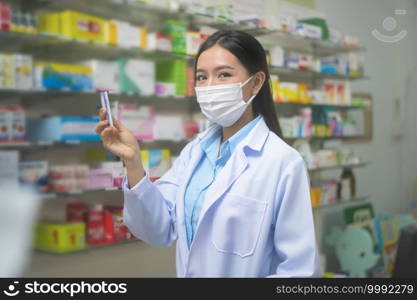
[252, 56]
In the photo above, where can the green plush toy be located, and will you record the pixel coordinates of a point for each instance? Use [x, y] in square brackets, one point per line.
[354, 250]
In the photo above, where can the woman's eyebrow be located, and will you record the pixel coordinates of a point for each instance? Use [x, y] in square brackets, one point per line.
[217, 68]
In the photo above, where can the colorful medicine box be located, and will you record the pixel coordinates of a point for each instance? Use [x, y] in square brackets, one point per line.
[60, 237]
[137, 76]
[34, 174]
[84, 27]
[63, 129]
[54, 76]
[139, 120]
[156, 162]
[177, 30]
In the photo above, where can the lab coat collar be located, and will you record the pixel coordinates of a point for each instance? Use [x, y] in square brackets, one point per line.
[255, 139]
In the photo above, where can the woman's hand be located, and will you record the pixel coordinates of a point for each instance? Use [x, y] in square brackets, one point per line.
[118, 140]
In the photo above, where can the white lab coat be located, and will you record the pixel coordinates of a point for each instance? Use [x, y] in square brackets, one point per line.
[256, 220]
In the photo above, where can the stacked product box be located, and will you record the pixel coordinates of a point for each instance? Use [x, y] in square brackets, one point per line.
[58, 76]
[156, 162]
[173, 72]
[60, 237]
[12, 123]
[34, 174]
[104, 222]
[69, 178]
[63, 129]
[140, 120]
[74, 25]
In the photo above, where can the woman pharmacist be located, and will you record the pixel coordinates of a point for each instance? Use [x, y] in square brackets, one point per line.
[236, 200]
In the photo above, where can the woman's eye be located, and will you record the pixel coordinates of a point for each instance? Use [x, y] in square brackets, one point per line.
[223, 75]
[200, 77]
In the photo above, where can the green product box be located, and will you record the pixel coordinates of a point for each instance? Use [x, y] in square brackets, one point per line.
[177, 30]
[174, 71]
[319, 22]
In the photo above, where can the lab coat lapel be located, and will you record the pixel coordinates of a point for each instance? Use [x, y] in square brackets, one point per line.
[232, 170]
[195, 156]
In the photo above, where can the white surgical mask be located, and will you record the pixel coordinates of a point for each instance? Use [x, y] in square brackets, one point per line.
[223, 104]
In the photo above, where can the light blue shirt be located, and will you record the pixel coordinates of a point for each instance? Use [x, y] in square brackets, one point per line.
[211, 163]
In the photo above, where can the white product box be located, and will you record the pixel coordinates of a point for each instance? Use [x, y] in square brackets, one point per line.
[277, 56]
[169, 127]
[140, 120]
[105, 75]
[24, 71]
[137, 76]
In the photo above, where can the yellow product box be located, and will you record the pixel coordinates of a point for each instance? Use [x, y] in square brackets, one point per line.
[112, 33]
[303, 95]
[288, 92]
[83, 26]
[315, 194]
[63, 76]
[143, 37]
[66, 68]
[80, 26]
[275, 87]
[156, 161]
[60, 237]
[49, 23]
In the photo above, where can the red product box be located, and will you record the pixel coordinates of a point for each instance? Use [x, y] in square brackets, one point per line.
[95, 225]
[75, 212]
[108, 226]
[5, 16]
[120, 230]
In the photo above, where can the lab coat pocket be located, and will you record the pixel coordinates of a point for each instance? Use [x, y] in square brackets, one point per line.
[237, 224]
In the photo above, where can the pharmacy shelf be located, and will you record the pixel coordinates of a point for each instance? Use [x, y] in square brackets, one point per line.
[267, 37]
[176, 146]
[318, 48]
[49, 47]
[144, 144]
[343, 202]
[318, 138]
[33, 97]
[91, 248]
[288, 74]
[357, 165]
[338, 106]
[40, 95]
[130, 11]
[47, 196]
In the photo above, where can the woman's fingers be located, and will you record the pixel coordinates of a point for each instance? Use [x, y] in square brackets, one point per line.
[102, 114]
[101, 126]
[119, 125]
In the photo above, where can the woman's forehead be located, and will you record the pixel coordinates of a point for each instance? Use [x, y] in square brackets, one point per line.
[217, 56]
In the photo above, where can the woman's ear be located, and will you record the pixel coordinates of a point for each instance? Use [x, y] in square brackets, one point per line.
[258, 82]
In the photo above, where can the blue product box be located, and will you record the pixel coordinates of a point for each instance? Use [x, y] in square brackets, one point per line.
[63, 129]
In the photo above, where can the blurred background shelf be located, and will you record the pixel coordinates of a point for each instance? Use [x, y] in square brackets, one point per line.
[343, 202]
[49, 47]
[90, 248]
[358, 165]
[323, 138]
[133, 12]
[53, 195]
[289, 74]
[170, 144]
[300, 104]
